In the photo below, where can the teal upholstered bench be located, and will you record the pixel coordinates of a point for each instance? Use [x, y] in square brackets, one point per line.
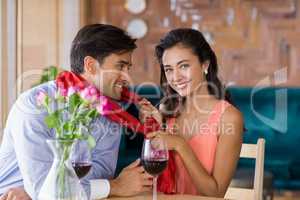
[270, 113]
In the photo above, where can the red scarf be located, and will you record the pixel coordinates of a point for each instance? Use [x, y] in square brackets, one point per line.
[66, 80]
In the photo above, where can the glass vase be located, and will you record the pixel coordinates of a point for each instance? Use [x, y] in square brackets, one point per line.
[61, 182]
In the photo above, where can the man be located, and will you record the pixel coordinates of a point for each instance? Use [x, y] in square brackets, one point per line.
[102, 55]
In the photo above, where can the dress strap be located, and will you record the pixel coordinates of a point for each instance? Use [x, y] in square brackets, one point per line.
[216, 114]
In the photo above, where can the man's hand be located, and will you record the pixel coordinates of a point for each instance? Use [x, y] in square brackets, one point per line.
[17, 193]
[133, 180]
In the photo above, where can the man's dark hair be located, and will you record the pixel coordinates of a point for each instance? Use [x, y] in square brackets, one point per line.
[98, 41]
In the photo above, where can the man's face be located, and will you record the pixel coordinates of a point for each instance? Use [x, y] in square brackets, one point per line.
[112, 74]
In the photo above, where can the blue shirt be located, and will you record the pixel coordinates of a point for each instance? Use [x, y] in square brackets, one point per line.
[25, 158]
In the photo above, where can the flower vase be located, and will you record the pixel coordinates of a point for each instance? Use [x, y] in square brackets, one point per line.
[61, 182]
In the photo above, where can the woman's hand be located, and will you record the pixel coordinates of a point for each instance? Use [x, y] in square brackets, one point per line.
[174, 142]
[146, 109]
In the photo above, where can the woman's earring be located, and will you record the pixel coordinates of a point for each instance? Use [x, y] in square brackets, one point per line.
[205, 71]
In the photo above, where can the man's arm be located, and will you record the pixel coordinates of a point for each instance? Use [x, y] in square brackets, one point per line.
[99, 182]
[29, 134]
[104, 157]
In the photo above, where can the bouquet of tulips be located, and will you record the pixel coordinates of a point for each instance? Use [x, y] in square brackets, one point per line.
[70, 114]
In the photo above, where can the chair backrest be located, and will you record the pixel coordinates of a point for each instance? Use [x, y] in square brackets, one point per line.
[256, 151]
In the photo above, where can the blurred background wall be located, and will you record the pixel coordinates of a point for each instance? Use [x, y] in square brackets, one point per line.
[35, 34]
[1, 70]
[253, 39]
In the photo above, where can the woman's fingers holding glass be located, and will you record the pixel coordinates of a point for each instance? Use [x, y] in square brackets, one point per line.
[141, 169]
[146, 189]
[172, 141]
[148, 182]
[147, 176]
[156, 134]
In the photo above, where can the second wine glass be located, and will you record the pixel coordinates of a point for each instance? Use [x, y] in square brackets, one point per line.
[81, 158]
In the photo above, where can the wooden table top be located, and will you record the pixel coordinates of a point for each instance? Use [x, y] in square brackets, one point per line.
[165, 197]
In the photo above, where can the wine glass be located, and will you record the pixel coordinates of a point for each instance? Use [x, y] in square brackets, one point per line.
[81, 158]
[154, 159]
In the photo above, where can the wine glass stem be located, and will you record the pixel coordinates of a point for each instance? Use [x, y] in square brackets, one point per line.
[155, 188]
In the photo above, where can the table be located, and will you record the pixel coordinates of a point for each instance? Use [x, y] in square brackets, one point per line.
[165, 197]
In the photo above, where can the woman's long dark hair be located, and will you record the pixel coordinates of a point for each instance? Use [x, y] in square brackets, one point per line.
[172, 103]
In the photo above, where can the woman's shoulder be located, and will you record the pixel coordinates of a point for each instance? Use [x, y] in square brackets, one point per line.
[232, 119]
[231, 113]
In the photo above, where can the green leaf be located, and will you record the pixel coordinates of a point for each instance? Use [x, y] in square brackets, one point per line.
[92, 114]
[83, 112]
[91, 141]
[52, 120]
[52, 72]
[47, 101]
[60, 99]
[78, 135]
[74, 101]
[68, 126]
[49, 73]
[66, 137]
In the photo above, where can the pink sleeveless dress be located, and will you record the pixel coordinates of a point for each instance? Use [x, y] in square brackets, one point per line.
[204, 147]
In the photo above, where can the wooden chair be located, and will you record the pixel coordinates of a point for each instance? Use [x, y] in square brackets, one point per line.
[256, 151]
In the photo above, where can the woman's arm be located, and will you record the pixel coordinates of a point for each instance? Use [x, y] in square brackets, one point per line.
[227, 156]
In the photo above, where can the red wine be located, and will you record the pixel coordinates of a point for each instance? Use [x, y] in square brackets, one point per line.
[82, 168]
[154, 167]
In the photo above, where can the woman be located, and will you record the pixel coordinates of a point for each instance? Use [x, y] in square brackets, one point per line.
[204, 129]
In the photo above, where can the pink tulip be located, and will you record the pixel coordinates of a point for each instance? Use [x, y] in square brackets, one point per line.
[84, 93]
[89, 94]
[100, 109]
[72, 90]
[92, 90]
[63, 92]
[101, 105]
[41, 98]
[103, 100]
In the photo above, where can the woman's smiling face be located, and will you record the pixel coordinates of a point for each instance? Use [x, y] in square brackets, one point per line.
[183, 70]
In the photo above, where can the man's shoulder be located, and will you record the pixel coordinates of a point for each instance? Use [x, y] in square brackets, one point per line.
[103, 122]
[27, 101]
[104, 127]
[48, 87]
